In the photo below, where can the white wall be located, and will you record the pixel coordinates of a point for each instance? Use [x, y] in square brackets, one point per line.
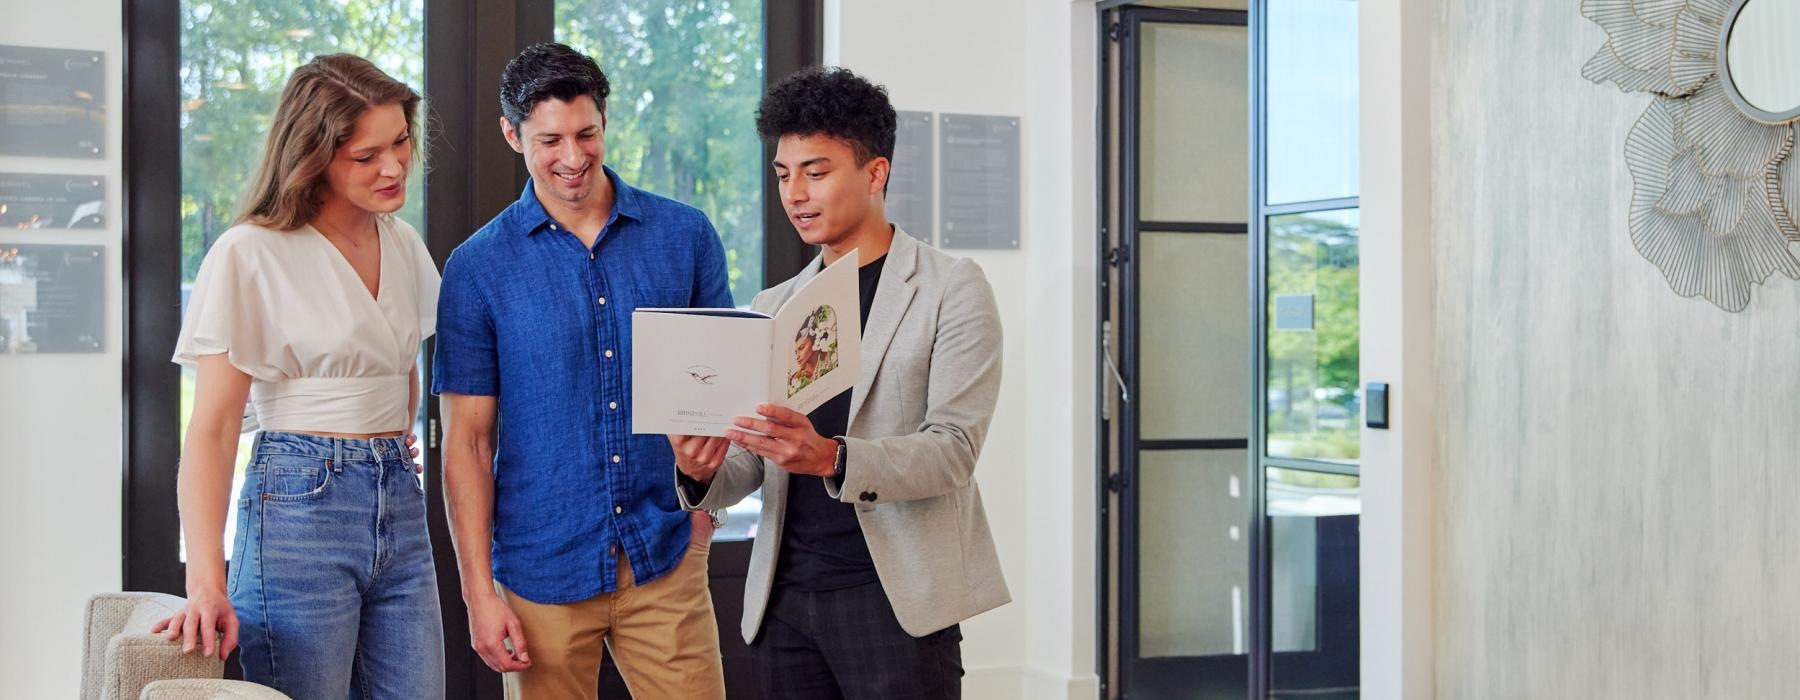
[1033, 59]
[1398, 347]
[60, 439]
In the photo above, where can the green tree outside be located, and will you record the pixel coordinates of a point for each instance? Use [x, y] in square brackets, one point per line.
[686, 76]
[1313, 375]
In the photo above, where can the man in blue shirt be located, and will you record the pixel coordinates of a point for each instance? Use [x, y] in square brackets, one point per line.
[567, 535]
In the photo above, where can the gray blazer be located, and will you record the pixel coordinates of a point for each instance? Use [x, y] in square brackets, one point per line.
[930, 377]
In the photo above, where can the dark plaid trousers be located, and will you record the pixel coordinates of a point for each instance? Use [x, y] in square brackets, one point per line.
[848, 644]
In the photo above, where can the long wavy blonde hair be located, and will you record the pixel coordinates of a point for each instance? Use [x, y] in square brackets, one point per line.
[317, 113]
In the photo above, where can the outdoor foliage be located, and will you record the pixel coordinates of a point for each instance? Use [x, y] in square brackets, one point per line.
[685, 75]
[1313, 374]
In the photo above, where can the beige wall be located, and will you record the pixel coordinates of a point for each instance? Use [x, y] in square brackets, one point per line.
[1618, 465]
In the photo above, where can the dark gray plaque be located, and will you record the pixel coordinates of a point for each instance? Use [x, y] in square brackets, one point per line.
[909, 185]
[979, 177]
[52, 102]
[30, 200]
[51, 298]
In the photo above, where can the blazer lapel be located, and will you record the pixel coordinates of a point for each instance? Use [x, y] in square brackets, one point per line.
[893, 294]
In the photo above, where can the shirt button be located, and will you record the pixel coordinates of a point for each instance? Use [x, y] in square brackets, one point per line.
[553, 227]
[618, 511]
[609, 353]
[614, 405]
[615, 459]
[602, 301]
[590, 255]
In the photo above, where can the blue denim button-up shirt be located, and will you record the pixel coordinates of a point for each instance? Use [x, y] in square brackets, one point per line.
[528, 315]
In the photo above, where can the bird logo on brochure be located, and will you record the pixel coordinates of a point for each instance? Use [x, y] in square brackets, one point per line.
[703, 374]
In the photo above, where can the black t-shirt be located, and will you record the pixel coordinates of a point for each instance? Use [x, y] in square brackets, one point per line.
[822, 546]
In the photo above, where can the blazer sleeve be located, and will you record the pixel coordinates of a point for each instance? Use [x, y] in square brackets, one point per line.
[740, 476]
[964, 386]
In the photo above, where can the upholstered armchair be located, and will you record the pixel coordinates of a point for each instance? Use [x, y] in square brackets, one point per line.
[122, 660]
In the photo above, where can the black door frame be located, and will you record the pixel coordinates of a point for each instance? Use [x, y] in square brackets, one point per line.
[1120, 224]
[473, 175]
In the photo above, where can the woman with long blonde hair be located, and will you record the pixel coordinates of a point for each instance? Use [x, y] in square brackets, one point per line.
[312, 307]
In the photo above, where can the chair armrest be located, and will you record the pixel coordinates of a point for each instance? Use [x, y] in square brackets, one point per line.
[107, 615]
[196, 689]
[137, 660]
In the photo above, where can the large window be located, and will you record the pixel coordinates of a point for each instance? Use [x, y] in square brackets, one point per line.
[236, 56]
[1311, 397]
[686, 76]
[1313, 402]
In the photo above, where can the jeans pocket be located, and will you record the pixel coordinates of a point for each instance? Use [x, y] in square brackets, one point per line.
[240, 559]
[294, 478]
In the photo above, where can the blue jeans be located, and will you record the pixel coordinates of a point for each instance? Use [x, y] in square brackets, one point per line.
[332, 575]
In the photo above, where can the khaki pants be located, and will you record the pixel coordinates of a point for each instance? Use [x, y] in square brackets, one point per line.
[662, 635]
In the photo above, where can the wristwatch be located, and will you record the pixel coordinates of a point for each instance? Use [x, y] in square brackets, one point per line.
[718, 517]
[837, 470]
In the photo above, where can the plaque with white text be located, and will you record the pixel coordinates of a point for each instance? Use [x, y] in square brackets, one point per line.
[38, 201]
[978, 175]
[909, 190]
[52, 298]
[52, 102]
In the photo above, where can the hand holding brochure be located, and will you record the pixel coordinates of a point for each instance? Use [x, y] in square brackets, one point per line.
[693, 370]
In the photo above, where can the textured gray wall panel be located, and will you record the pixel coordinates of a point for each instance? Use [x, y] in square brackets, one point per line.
[1618, 479]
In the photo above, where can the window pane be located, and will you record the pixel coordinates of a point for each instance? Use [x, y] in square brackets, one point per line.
[1312, 100]
[686, 76]
[1313, 395]
[1194, 336]
[1195, 115]
[1194, 555]
[1313, 519]
[235, 59]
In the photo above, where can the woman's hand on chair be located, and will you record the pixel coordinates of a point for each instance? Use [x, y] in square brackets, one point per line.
[201, 623]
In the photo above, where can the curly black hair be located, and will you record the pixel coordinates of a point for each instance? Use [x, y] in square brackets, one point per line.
[834, 102]
[549, 71]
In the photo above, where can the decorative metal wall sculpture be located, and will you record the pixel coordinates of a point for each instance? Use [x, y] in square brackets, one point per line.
[1715, 183]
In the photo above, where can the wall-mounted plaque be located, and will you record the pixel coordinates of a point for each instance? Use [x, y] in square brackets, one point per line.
[978, 173]
[52, 298]
[1293, 312]
[52, 102]
[30, 200]
[909, 184]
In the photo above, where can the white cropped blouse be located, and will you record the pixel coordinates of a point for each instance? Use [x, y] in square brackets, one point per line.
[286, 308]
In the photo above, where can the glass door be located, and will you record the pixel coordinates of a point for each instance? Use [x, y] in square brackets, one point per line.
[1181, 263]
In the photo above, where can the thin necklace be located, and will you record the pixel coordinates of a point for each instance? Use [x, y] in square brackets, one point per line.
[353, 242]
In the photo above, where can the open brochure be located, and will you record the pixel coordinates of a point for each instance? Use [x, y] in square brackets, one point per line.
[693, 370]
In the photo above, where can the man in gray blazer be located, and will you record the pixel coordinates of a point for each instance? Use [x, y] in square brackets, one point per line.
[873, 544]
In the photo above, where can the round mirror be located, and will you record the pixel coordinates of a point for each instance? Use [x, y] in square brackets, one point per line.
[1760, 60]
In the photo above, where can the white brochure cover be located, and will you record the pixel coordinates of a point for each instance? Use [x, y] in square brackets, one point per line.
[693, 370]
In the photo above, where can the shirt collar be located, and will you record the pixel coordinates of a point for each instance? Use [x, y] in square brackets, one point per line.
[528, 213]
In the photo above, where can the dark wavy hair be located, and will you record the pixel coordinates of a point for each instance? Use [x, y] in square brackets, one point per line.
[549, 71]
[833, 102]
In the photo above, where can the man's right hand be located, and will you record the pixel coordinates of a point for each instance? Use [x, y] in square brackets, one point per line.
[491, 625]
[699, 456]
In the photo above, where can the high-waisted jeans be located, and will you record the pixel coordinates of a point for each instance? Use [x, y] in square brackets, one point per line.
[332, 577]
